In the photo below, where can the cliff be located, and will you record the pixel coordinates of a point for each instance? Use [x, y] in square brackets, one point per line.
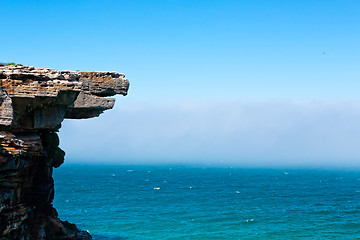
[33, 103]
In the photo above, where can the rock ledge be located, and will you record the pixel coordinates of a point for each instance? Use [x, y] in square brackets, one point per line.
[33, 103]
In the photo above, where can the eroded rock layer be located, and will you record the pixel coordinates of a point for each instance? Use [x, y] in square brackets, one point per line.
[33, 103]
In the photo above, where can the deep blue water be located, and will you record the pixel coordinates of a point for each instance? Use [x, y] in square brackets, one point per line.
[149, 202]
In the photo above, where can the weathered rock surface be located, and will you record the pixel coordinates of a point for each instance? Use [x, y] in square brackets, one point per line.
[33, 103]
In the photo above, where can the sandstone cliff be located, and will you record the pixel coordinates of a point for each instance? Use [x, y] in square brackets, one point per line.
[33, 103]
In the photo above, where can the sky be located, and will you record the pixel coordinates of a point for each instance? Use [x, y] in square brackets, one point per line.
[215, 82]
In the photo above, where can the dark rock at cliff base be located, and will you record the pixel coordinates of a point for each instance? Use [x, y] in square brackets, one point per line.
[33, 103]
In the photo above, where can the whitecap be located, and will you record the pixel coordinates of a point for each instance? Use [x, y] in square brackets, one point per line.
[249, 220]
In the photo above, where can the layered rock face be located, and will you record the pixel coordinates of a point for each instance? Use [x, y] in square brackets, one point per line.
[33, 103]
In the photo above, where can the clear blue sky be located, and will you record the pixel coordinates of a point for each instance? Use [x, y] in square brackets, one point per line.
[197, 67]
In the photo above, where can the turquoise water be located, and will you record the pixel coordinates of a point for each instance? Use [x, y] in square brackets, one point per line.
[150, 202]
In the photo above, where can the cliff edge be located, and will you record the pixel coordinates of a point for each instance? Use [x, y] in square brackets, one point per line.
[33, 103]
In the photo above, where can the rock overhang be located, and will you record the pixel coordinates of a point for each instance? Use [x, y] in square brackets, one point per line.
[40, 98]
[33, 103]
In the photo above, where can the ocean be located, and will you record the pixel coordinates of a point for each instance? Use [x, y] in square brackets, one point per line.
[159, 202]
